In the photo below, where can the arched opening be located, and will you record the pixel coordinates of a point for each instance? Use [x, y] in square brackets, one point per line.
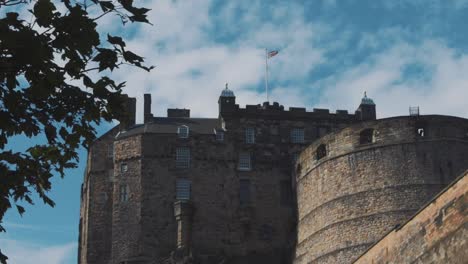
[367, 136]
[321, 151]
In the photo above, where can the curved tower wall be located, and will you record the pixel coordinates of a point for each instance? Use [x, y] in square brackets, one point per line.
[357, 192]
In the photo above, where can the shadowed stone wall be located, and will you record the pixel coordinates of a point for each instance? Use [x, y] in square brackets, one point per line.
[437, 234]
[357, 192]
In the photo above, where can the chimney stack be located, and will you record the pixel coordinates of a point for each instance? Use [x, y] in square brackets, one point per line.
[128, 118]
[147, 109]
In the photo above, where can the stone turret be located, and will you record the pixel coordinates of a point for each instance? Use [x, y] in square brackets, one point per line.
[227, 101]
[366, 110]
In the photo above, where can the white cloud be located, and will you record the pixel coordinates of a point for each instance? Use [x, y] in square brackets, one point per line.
[192, 66]
[20, 252]
[441, 90]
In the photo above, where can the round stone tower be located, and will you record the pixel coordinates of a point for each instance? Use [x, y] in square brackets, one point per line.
[355, 185]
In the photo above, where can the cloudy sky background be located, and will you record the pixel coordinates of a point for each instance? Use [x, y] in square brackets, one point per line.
[402, 52]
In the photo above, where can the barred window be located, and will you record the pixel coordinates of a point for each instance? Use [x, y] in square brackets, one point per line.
[183, 131]
[183, 157]
[250, 135]
[244, 192]
[183, 187]
[123, 167]
[244, 161]
[111, 175]
[110, 150]
[297, 135]
[123, 193]
[220, 135]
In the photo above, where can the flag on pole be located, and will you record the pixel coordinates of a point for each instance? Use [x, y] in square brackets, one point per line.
[272, 53]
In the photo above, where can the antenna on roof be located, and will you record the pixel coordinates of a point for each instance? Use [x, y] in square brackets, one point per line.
[414, 110]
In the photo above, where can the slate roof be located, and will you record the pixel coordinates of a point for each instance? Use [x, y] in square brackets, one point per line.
[169, 125]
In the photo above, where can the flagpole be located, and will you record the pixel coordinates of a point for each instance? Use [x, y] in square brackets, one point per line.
[266, 74]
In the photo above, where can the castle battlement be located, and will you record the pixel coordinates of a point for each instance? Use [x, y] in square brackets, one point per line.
[260, 184]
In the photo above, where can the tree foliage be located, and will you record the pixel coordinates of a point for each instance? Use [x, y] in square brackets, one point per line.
[53, 83]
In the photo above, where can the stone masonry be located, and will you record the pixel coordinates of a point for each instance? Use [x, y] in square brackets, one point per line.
[178, 189]
[372, 177]
[436, 234]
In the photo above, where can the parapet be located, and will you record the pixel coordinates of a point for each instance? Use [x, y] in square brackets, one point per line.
[277, 111]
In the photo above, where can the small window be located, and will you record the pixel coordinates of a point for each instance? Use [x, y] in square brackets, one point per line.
[245, 162]
[250, 135]
[366, 136]
[102, 197]
[297, 135]
[123, 193]
[183, 187]
[123, 167]
[322, 131]
[285, 193]
[182, 157]
[321, 151]
[220, 135]
[183, 131]
[111, 175]
[420, 132]
[110, 151]
[244, 192]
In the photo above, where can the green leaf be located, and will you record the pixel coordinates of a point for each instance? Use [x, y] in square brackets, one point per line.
[3, 258]
[107, 59]
[20, 209]
[51, 133]
[43, 11]
[87, 81]
[115, 41]
[132, 57]
[106, 5]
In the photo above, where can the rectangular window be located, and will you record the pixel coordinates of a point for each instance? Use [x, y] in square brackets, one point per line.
[250, 135]
[110, 150]
[244, 192]
[220, 135]
[285, 193]
[244, 161]
[123, 193]
[297, 135]
[123, 167]
[183, 131]
[183, 157]
[183, 187]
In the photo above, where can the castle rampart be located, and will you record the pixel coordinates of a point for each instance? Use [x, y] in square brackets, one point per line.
[354, 185]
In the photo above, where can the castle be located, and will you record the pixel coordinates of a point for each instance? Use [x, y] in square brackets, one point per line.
[263, 184]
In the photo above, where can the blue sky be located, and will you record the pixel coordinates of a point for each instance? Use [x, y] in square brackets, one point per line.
[402, 52]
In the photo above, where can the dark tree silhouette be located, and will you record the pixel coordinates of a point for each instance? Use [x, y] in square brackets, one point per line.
[44, 58]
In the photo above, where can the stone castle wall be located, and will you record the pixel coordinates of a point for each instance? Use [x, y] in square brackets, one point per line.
[345, 201]
[143, 229]
[357, 192]
[97, 203]
[436, 234]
